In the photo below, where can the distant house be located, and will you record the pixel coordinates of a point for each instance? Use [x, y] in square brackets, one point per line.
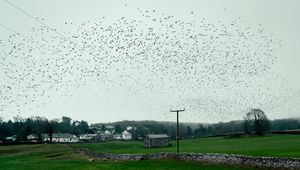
[157, 140]
[109, 128]
[128, 128]
[95, 129]
[126, 135]
[89, 137]
[11, 138]
[32, 137]
[106, 136]
[117, 136]
[107, 132]
[62, 137]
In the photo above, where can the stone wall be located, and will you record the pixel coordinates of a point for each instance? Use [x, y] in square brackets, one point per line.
[213, 158]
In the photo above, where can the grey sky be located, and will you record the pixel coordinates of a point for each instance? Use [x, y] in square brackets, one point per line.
[92, 104]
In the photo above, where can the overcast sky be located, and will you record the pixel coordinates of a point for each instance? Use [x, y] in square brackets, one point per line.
[280, 84]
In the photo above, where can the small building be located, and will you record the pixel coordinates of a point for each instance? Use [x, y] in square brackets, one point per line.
[88, 137]
[32, 137]
[94, 129]
[126, 135]
[11, 138]
[110, 129]
[62, 137]
[106, 137]
[117, 136]
[128, 128]
[157, 140]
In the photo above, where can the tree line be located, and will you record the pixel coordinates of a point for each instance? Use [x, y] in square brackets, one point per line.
[22, 127]
[254, 121]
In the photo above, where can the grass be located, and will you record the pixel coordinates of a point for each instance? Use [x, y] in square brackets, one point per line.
[270, 145]
[61, 156]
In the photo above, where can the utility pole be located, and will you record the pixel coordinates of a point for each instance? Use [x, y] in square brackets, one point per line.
[177, 131]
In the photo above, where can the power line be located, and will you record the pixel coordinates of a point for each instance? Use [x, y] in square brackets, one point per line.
[32, 17]
[52, 29]
[14, 31]
[38, 21]
[30, 39]
[9, 29]
[42, 23]
[43, 46]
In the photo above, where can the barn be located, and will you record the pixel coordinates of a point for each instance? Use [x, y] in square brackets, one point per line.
[156, 140]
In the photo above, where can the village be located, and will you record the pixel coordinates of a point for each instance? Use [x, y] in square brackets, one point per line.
[106, 133]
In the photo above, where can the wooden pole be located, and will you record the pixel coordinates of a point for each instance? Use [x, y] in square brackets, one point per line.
[177, 130]
[177, 136]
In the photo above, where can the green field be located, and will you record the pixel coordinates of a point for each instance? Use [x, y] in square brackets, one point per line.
[271, 145]
[61, 156]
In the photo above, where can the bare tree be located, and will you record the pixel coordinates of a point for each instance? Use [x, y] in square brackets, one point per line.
[257, 121]
[51, 124]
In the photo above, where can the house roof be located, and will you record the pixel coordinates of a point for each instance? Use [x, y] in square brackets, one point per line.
[158, 136]
[87, 136]
[61, 135]
[126, 133]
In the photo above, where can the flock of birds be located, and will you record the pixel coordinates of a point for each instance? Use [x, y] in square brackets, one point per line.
[210, 68]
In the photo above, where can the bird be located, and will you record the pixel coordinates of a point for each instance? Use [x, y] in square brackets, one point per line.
[211, 67]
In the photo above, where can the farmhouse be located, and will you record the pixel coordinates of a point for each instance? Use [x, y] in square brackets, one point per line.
[33, 137]
[106, 137]
[11, 138]
[88, 137]
[157, 140]
[126, 135]
[61, 137]
[117, 136]
[110, 129]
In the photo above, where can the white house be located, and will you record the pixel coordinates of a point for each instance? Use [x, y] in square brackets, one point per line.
[128, 128]
[11, 138]
[62, 137]
[110, 129]
[88, 137]
[32, 137]
[126, 135]
[107, 132]
[117, 136]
